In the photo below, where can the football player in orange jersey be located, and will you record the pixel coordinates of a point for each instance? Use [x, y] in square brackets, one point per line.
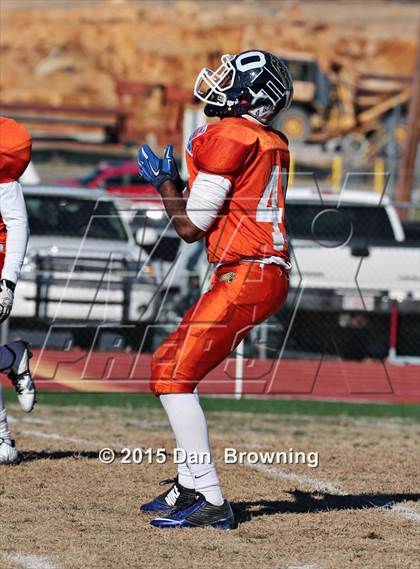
[237, 182]
[15, 154]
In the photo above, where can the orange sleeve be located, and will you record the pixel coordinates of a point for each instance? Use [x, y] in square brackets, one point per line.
[15, 150]
[224, 151]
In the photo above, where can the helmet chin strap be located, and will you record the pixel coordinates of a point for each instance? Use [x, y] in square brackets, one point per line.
[210, 111]
[213, 112]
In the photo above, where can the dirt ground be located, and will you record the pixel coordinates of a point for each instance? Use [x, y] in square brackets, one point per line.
[62, 509]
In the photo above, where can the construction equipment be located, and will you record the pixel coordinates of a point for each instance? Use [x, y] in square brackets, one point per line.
[311, 99]
[331, 103]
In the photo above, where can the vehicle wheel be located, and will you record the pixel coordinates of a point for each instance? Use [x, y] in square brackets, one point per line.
[295, 124]
[354, 146]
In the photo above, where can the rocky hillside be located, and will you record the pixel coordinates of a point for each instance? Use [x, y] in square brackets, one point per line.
[74, 52]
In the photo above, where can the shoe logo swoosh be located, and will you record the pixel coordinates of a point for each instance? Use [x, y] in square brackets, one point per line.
[201, 475]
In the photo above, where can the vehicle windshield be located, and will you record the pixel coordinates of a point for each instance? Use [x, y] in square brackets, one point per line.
[326, 222]
[73, 217]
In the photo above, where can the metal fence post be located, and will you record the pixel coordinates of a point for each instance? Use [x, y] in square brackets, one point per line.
[239, 370]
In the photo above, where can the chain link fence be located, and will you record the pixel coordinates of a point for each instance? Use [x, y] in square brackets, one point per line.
[111, 274]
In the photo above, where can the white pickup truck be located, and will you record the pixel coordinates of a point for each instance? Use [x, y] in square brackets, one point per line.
[348, 250]
[83, 267]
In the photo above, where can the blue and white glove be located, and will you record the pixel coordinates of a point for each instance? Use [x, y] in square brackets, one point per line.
[159, 170]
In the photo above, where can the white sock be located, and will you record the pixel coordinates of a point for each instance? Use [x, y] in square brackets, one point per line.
[185, 477]
[6, 358]
[190, 428]
[4, 427]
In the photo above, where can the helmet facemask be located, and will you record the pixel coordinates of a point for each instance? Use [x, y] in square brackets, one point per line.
[210, 86]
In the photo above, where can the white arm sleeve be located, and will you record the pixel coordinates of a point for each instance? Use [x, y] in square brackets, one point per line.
[13, 212]
[207, 196]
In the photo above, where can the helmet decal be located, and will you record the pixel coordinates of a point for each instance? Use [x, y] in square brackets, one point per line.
[250, 60]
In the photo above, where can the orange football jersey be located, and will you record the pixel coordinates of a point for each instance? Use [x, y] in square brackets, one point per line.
[256, 161]
[15, 150]
[15, 155]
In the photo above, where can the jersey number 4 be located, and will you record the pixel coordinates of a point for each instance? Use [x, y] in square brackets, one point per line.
[273, 213]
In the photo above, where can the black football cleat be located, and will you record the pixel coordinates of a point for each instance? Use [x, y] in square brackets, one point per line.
[199, 514]
[20, 375]
[176, 497]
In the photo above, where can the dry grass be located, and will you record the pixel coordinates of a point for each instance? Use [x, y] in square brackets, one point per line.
[78, 513]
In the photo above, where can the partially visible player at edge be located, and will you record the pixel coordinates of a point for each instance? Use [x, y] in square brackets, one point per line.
[237, 182]
[15, 154]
